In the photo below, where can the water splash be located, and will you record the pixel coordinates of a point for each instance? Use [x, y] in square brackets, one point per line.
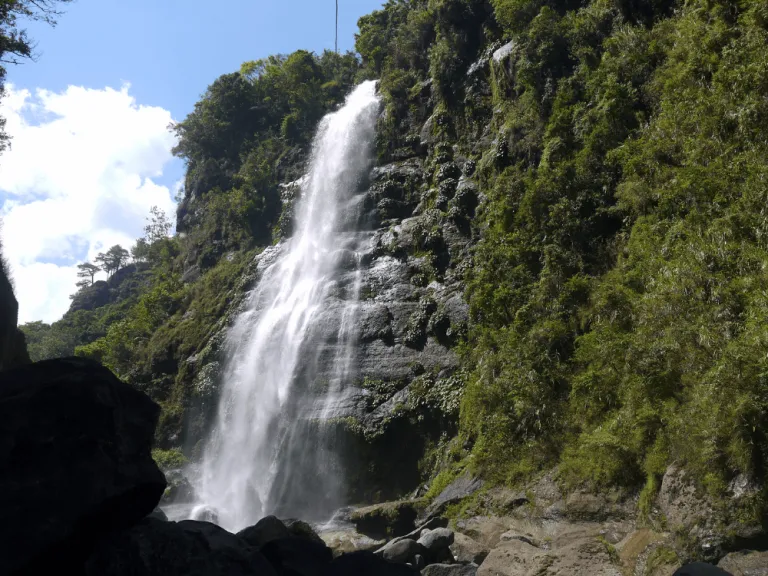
[290, 352]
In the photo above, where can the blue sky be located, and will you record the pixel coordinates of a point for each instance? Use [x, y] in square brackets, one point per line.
[90, 151]
[171, 50]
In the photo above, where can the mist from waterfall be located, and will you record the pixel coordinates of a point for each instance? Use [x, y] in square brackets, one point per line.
[266, 454]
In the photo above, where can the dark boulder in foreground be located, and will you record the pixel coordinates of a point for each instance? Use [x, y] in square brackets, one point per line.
[366, 563]
[187, 548]
[301, 529]
[296, 556]
[265, 530]
[75, 462]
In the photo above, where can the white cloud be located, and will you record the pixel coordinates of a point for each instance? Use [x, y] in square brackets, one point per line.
[77, 180]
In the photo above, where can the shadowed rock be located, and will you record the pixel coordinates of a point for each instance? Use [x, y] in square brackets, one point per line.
[75, 461]
[365, 563]
[296, 556]
[265, 530]
[169, 548]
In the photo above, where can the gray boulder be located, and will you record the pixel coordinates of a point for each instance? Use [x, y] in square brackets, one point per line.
[414, 535]
[701, 569]
[387, 519]
[179, 489]
[402, 551]
[688, 510]
[436, 540]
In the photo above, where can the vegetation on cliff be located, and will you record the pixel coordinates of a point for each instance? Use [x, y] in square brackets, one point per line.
[151, 321]
[618, 290]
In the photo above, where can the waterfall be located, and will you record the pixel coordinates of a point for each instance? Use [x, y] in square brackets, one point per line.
[289, 353]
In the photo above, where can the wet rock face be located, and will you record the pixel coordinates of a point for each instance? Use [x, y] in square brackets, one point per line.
[401, 269]
[75, 460]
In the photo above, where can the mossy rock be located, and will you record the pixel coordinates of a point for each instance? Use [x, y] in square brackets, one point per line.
[388, 520]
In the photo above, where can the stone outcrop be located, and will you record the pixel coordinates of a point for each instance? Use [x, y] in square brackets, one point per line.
[13, 348]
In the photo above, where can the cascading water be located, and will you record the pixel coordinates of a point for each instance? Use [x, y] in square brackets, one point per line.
[289, 353]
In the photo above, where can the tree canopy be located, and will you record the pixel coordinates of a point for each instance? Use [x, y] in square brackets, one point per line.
[15, 45]
[113, 259]
[249, 132]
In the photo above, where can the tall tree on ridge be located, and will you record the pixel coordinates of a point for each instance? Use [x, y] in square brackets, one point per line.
[87, 270]
[113, 259]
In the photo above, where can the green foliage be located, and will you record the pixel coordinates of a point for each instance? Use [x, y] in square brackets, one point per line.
[119, 349]
[440, 483]
[616, 292]
[660, 556]
[394, 45]
[46, 341]
[113, 259]
[158, 226]
[169, 459]
[250, 132]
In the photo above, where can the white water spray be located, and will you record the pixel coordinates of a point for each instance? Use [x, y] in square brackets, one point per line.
[260, 458]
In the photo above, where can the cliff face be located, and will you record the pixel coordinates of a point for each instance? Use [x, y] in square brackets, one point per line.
[568, 266]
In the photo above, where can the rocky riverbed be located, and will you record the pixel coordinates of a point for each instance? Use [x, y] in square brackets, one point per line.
[80, 494]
